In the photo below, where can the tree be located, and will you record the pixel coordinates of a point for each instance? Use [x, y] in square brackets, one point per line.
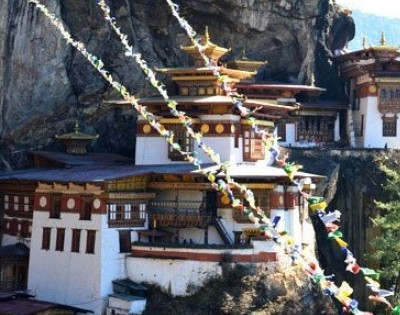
[387, 244]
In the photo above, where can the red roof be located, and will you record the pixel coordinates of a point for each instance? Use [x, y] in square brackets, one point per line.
[15, 303]
[24, 306]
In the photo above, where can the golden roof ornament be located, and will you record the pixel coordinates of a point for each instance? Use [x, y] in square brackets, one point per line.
[209, 49]
[76, 141]
[206, 36]
[364, 42]
[383, 39]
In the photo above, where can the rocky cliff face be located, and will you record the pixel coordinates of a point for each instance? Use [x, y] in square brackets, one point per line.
[45, 85]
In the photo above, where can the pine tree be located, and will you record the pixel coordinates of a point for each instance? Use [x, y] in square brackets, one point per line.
[386, 246]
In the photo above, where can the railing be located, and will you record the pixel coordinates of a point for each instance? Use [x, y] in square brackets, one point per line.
[222, 231]
[173, 205]
[179, 220]
[177, 214]
[116, 223]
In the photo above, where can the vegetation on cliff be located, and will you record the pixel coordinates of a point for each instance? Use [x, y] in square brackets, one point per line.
[386, 246]
[245, 290]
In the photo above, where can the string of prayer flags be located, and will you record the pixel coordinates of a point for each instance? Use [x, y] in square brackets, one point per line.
[331, 217]
[317, 203]
[314, 270]
[99, 65]
[238, 100]
[352, 265]
[186, 121]
[370, 273]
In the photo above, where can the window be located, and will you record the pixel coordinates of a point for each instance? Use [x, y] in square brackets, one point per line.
[355, 100]
[124, 241]
[183, 139]
[27, 203]
[184, 91]
[281, 127]
[46, 238]
[210, 90]
[6, 202]
[75, 242]
[86, 210]
[90, 241]
[253, 146]
[112, 212]
[60, 237]
[55, 211]
[193, 90]
[142, 211]
[389, 126]
[127, 212]
[16, 201]
[389, 98]
[362, 126]
[316, 129]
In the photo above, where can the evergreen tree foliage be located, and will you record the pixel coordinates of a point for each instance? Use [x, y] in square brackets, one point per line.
[386, 246]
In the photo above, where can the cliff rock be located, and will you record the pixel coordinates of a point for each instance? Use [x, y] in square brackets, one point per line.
[46, 85]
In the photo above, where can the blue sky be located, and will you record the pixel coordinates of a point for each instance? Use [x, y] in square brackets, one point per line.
[390, 8]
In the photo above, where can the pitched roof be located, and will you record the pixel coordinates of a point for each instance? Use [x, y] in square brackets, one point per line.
[15, 303]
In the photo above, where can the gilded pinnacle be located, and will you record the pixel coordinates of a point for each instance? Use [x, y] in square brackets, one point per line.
[383, 39]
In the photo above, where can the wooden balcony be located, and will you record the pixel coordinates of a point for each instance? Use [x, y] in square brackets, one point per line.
[177, 214]
[119, 223]
[179, 220]
[19, 214]
[239, 216]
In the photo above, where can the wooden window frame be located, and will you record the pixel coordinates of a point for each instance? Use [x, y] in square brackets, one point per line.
[124, 241]
[281, 128]
[60, 239]
[251, 141]
[193, 90]
[389, 126]
[46, 238]
[90, 241]
[185, 141]
[86, 208]
[55, 211]
[6, 201]
[76, 240]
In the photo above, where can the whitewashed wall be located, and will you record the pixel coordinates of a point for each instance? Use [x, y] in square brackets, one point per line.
[78, 279]
[174, 276]
[373, 126]
[152, 150]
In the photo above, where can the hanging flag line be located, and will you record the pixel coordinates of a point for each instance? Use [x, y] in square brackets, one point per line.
[219, 185]
[98, 64]
[317, 204]
[224, 187]
[342, 294]
[237, 99]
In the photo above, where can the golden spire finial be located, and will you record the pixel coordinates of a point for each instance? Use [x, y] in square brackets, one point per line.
[364, 42]
[383, 39]
[206, 35]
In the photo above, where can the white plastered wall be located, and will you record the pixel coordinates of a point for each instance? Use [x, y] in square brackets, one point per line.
[77, 279]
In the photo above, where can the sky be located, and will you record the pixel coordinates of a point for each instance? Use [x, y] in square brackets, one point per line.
[389, 8]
